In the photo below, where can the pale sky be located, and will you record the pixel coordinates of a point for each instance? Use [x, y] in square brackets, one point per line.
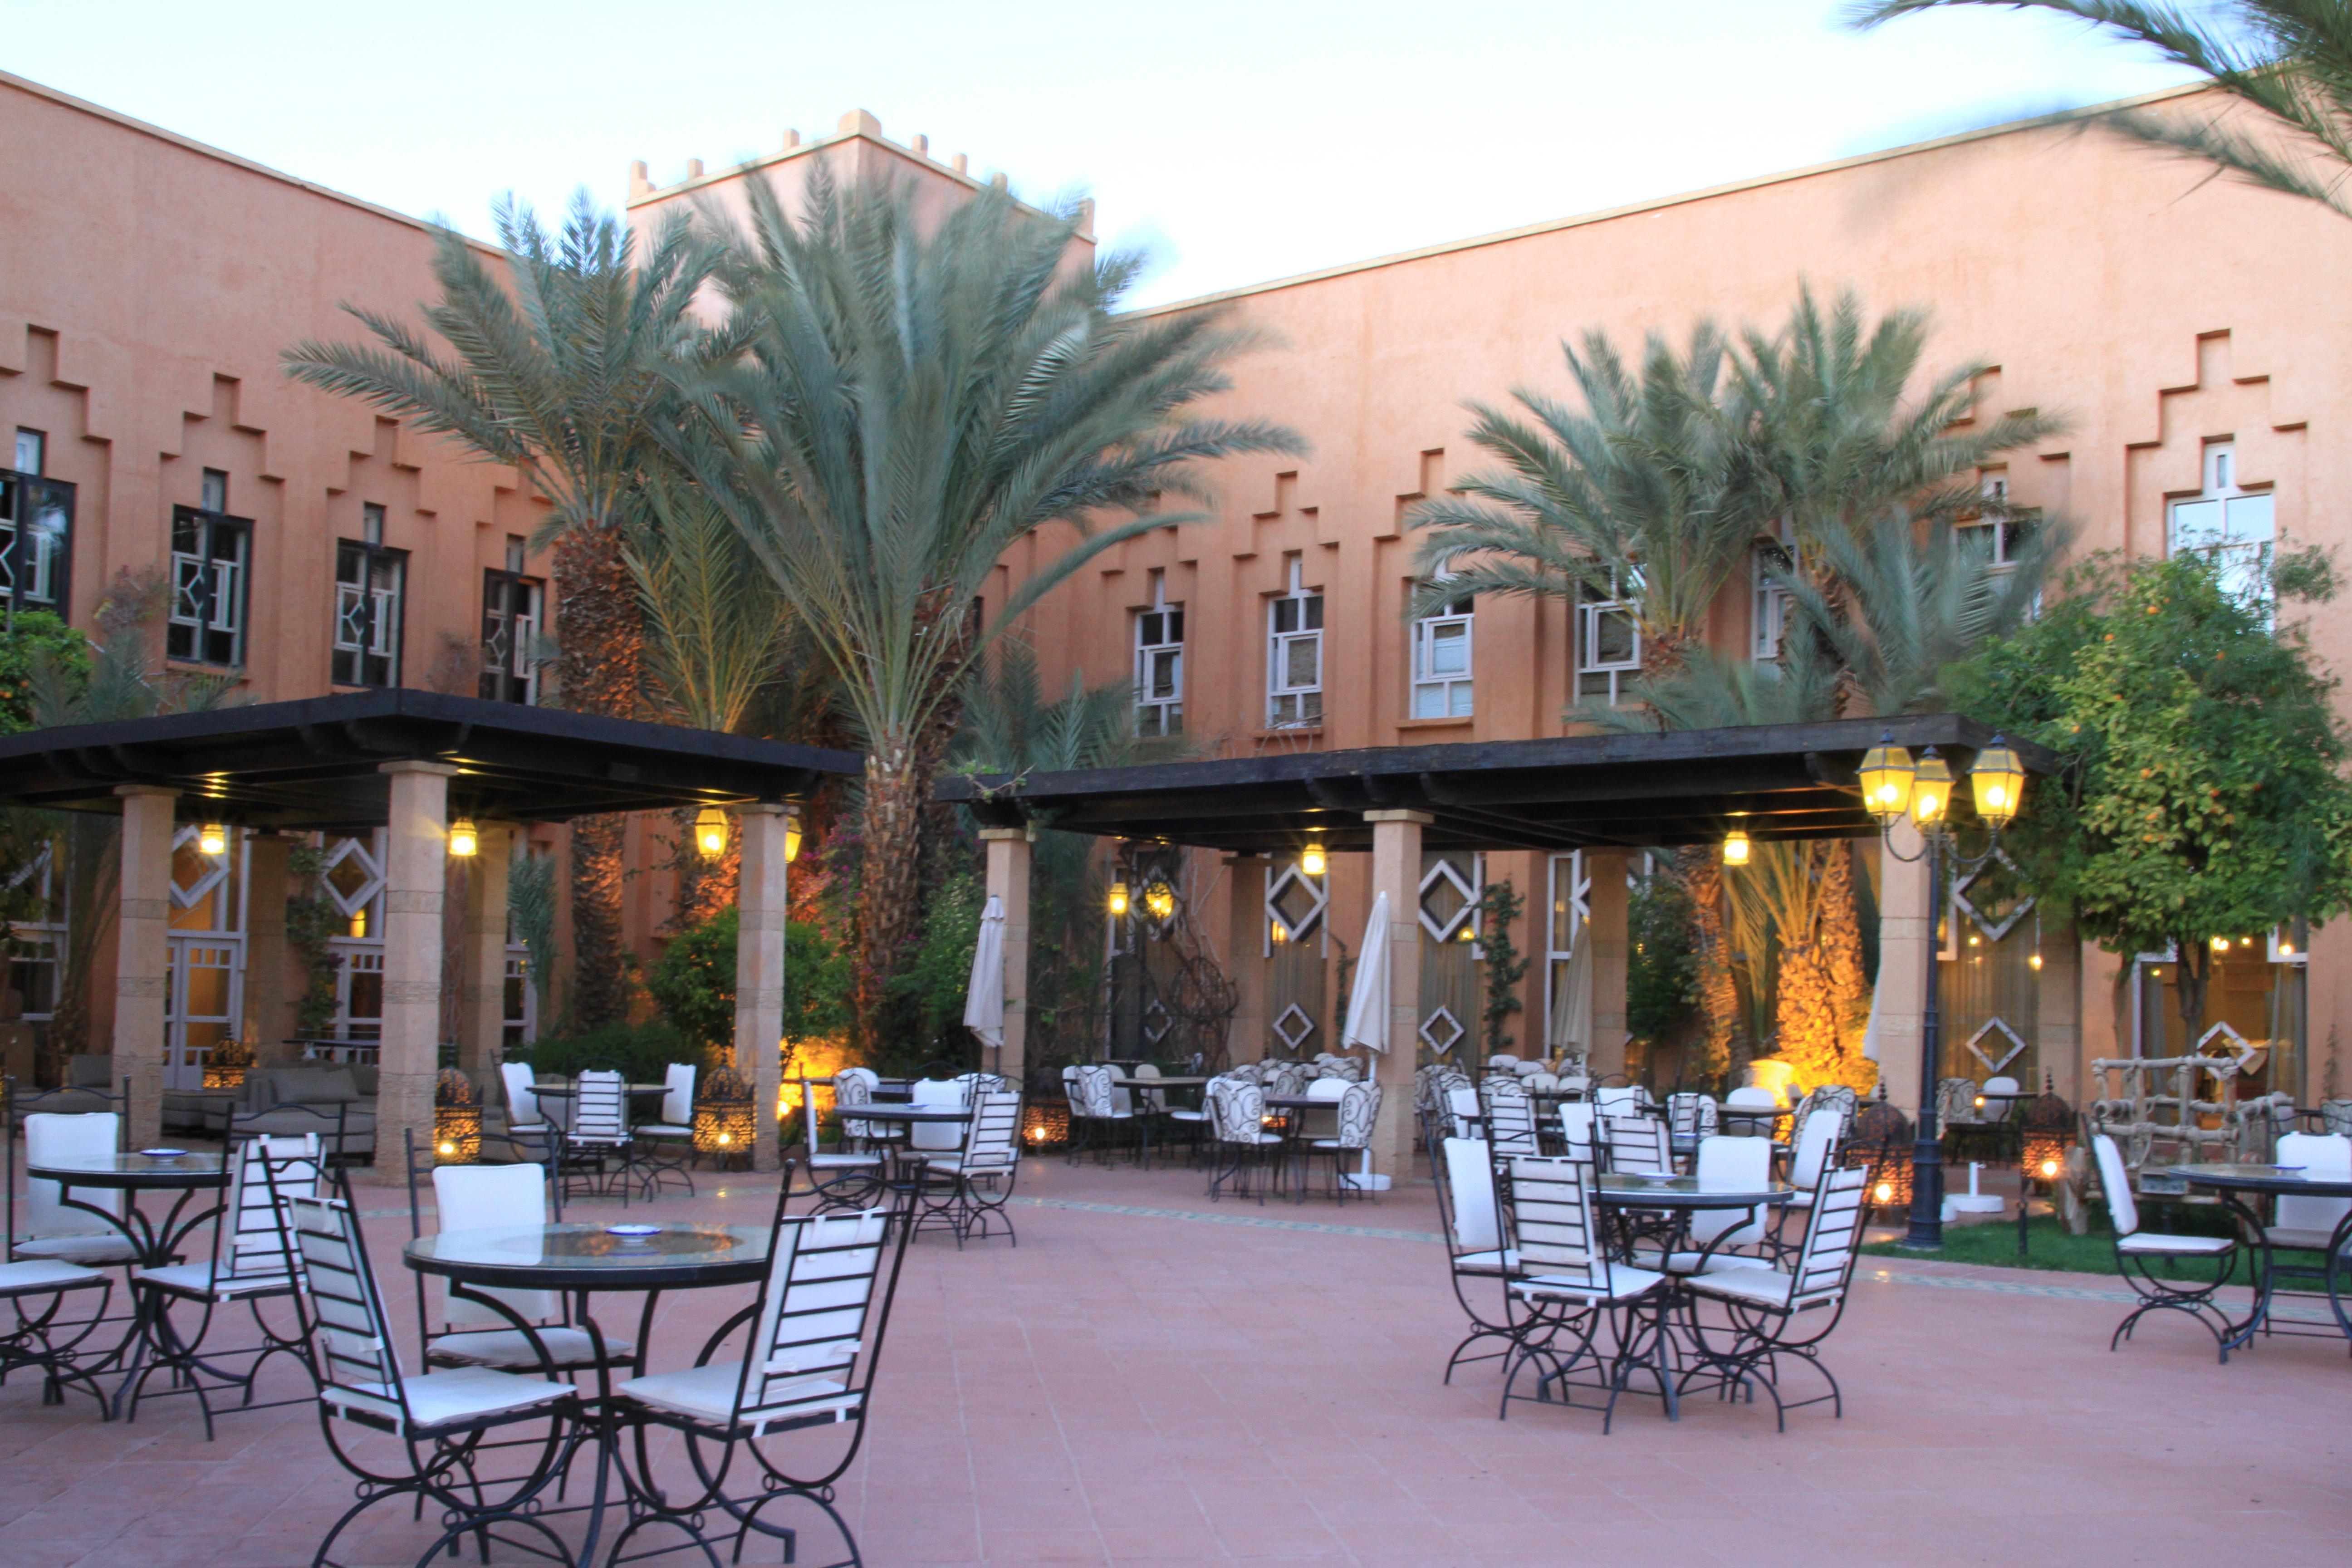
[1236, 141]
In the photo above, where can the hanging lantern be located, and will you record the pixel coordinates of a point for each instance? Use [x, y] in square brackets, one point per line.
[1312, 861]
[1998, 782]
[226, 1063]
[723, 1124]
[212, 838]
[1118, 899]
[1734, 848]
[792, 837]
[710, 831]
[1931, 789]
[464, 840]
[456, 1120]
[1886, 774]
[1160, 900]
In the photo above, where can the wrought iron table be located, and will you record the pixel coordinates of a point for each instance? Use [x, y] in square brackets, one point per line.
[2234, 1184]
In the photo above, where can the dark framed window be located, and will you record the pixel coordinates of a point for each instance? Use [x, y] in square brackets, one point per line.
[512, 611]
[37, 518]
[370, 588]
[212, 567]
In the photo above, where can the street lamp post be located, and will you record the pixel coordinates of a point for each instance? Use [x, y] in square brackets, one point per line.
[1895, 786]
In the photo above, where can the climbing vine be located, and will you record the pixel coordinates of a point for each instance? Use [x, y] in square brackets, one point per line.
[311, 921]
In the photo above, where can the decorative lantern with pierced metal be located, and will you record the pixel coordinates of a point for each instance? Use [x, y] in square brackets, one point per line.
[2048, 1127]
[226, 1063]
[1045, 1124]
[1881, 1143]
[724, 1126]
[456, 1120]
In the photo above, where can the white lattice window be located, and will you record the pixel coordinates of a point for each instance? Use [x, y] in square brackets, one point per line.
[1294, 656]
[1767, 617]
[1441, 662]
[511, 619]
[211, 566]
[1160, 664]
[1608, 643]
[1295, 904]
[369, 583]
[36, 528]
[2236, 529]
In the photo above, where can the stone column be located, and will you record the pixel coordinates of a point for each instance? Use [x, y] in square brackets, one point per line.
[416, 875]
[269, 991]
[1610, 951]
[1905, 939]
[1008, 878]
[142, 955]
[760, 970]
[1244, 940]
[482, 958]
[1396, 871]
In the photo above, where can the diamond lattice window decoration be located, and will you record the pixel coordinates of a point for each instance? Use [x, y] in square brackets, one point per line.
[353, 878]
[2223, 1043]
[1157, 1021]
[1442, 1031]
[1995, 1028]
[1448, 900]
[1295, 901]
[1293, 1027]
[193, 872]
[1994, 896]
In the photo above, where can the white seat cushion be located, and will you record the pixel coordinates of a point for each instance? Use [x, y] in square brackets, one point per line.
[440, 1397]
[1486, 1262]
[707, 1393]
[841, 1161]
[2156, 1244]
[508, 1348]
[23, 1278]
[2298, 1238]
[662, 1130]
[1188, 1116]
[196, 1279]
[1679, 1263]
[108, 1247]
[1759, 1287]
[952, 1166]
[1625, 1282]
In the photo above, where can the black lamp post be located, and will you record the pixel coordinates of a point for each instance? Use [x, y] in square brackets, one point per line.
[1894, 786]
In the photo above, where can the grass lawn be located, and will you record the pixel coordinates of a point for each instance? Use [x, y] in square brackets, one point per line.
[2048, 1244]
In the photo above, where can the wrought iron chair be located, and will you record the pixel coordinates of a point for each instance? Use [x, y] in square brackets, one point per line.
[1359, 1108]
[1479, 1265]
[2138, 1252]
[1510, 1118]
[1766, 1304]
[968, 1188]
[807, 1364]
[595, 1148]
[1570, 1288]
[674, 1131]
[1244, 1145]
[36, 1291]
[440, 1420]
[845, 1179]
[252, 1262]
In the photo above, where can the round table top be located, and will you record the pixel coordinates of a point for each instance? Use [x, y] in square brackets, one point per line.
[1690, 1193]
[590, 1258]
[190, 1169]
[1159, 1082]
[568, 1090]
[2263, 1179]
[907, 1112]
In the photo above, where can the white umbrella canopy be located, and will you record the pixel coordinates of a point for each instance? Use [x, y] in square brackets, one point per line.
[983, 1002]
[1368, 1003]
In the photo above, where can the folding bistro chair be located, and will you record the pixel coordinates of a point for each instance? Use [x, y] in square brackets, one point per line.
[806, 1363]
[439, 1421]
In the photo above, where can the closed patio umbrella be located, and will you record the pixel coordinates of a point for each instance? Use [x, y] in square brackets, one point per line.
[983, 1002]
[1368, 1009]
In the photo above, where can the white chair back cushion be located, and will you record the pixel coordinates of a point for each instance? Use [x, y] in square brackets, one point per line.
[1619, 1101]
[2321, 1156]
[677, 1098]
[522, 1106]
[1576, 1126]
[1813, 1145]
[267, 1176]
[1732, 1161]
[1359, 1108]
[1748, 1100]
[993, 1139]
[493, 1197]
[1470, 1179]
[600, 1109]
[937, 1136]
[2122, 1212]
[55, 1135]
[1462, 1100]
[1327, 1088]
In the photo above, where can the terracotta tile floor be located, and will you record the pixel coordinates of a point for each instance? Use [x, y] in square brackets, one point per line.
[1152, 1388]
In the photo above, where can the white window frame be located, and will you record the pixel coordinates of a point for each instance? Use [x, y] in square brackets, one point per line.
[1294, 706]
[1609, 676]
[368, 612]
[2236, 527]
[1160, 711]
[1439, 692]
[1768, 622]
[209, 589]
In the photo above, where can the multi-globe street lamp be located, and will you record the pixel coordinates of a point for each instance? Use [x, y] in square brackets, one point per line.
[1895, 786]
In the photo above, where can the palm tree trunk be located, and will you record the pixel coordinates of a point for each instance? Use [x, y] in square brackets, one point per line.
[1842, 958]
[1718, 993]
[603, 631]
[890, 880]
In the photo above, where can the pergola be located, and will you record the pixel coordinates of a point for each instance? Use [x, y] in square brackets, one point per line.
[1607, 795]
[411, 761]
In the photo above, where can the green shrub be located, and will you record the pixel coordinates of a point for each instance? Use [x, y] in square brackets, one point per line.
[39, 644]
[693, 982]
[640, 1052]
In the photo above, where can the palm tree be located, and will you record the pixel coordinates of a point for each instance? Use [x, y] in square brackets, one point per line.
[2289, 59]
[912, 402]
[1636, 497]
[557, 369]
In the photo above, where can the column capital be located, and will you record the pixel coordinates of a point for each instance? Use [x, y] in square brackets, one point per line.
[1003, 835]
[766, 808]
[135, 792]
[1422, 817]
[417, 765]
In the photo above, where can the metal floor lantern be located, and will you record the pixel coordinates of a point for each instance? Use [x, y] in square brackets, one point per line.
[724, 1126]
[456, 1120]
